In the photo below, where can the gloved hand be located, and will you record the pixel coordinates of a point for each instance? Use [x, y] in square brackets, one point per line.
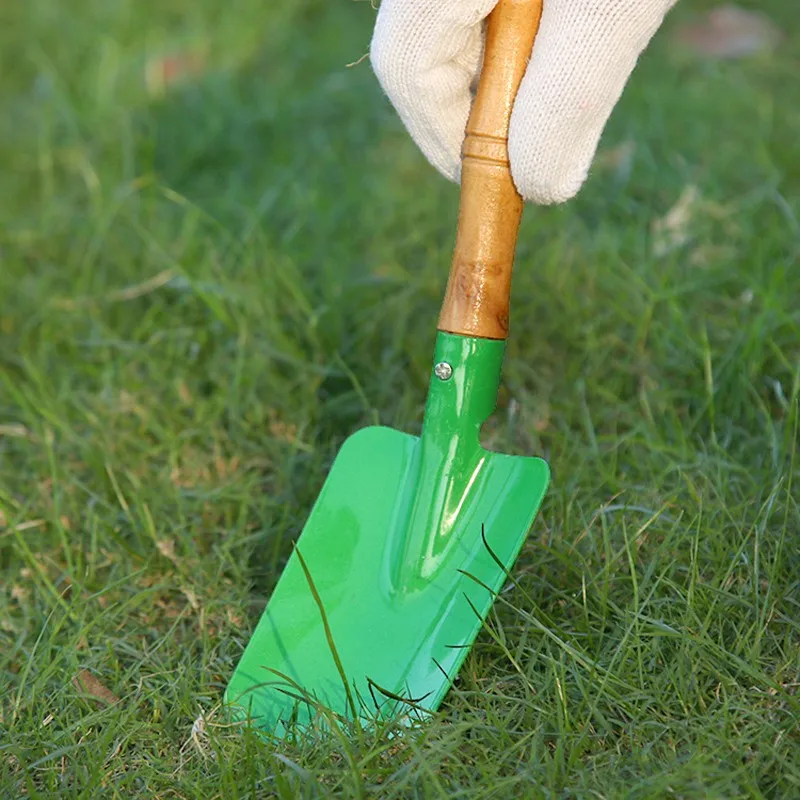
[426, 55]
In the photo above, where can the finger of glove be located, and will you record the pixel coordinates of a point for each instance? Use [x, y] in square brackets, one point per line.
[426, 54]
[583, 57]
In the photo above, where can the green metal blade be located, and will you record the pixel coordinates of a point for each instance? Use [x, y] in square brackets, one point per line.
[391, 577]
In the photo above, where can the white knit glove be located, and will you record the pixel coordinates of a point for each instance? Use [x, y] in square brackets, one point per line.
[426, 55]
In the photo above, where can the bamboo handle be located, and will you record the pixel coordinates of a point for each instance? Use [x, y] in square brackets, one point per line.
[476, 301]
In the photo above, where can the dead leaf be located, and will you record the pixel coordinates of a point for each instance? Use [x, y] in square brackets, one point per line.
[168, 609]
[19, 593]
[85, 682]
[164, 72]
[16, 430]
[225, 467]
[196, 468]
[184, 394]
[618, 159]
[541, 421]
[167, 549]
[709, 253]
[190, 595]
[234, 618]
[199, 735]
[122, 295]
[729, 31]
[31, 523]
[285, 431]
[673, 229]
[127, 404]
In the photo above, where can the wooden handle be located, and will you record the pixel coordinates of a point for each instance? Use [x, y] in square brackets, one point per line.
[476, 300]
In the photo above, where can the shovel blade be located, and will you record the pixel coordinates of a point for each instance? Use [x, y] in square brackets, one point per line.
[389, 582]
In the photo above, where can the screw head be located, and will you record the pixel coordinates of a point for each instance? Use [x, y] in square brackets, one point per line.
[443, 371]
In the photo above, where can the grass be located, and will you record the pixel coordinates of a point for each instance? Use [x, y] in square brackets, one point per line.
[205, 290]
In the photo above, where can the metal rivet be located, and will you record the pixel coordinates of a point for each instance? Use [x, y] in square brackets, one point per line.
[443, 371]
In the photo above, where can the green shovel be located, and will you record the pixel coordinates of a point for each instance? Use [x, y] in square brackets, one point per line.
[411, 537]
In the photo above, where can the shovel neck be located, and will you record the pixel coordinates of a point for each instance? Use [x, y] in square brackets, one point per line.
[463, 388]
[449, 467]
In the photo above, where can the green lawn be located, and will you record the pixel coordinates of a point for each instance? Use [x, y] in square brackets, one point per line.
[204, 291]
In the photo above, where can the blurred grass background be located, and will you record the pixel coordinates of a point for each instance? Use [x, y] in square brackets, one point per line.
[220, 254]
